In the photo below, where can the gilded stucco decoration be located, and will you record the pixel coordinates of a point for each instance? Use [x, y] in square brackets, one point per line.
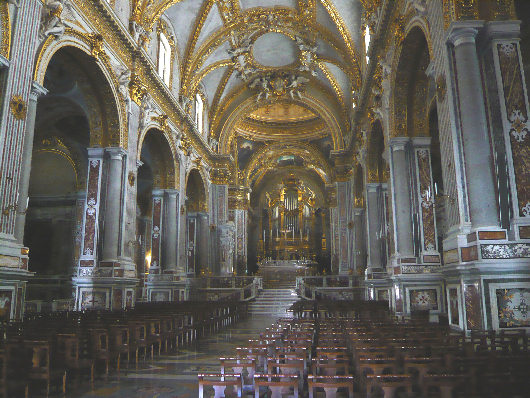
[460, 10]
[5, 29]
[18, 107]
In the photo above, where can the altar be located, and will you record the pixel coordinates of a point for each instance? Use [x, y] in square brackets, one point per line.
[283, 273]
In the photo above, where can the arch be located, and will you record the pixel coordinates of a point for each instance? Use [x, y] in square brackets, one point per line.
[114, 129]
[155, 151]
[311, 155]
[411, 86]
[249, 104]
[196, 192]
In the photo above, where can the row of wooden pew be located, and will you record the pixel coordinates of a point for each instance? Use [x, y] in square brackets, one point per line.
[65, 349]
[339, 349]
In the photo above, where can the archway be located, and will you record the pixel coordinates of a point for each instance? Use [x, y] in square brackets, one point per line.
[69, 119]
[157, 213]
[417, 161]
[196, 225]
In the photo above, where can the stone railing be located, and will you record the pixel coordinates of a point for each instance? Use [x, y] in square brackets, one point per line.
[330, 287]
[46, 306]
[214, 288]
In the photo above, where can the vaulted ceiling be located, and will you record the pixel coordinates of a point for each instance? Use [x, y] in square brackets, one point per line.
[271, 71]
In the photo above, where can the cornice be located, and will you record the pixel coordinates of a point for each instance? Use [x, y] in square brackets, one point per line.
[116, 35]
[376, 47]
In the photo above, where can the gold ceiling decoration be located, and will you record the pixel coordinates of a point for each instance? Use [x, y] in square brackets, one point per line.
[282, 112]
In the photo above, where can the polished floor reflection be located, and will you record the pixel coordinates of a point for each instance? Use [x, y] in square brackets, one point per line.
[175, 375]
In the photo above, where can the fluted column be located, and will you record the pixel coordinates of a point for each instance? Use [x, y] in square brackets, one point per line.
[373, 201]
[36, 91]
[170, 235]
[113, 204]
[476, 143]
[402, 196]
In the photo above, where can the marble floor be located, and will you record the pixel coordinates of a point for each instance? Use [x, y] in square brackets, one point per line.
[175, 375]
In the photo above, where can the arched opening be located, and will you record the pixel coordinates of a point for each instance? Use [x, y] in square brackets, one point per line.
[69, 119]
[196, 225]
[411, 89]
[377, 174]
[156, 178]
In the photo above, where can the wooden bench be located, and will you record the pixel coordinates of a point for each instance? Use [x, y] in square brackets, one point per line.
[277, 384]
[330, 384]
[220, 382]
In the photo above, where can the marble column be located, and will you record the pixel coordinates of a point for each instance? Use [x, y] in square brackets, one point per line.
[358, 239]
[373, 203]
[402, 207]
[25, 171]
[476, 142]
[170, 240]
[113, 205]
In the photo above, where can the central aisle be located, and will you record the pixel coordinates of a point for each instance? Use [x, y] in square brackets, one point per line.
[172, 376]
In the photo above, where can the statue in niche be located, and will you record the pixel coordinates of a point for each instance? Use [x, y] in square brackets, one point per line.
[52, 23]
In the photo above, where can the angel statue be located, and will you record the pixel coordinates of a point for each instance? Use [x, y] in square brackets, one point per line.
[52, 23]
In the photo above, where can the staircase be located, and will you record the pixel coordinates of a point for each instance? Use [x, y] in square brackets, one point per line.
[273, 302]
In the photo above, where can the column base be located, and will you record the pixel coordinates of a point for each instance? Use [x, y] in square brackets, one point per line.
[418, 292]
[14, 276]
[170, 286]
[104, 293]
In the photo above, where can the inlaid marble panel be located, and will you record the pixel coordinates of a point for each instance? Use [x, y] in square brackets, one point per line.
[423, 299]
[513, 307]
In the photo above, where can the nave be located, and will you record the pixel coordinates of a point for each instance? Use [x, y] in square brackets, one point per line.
[315, 349]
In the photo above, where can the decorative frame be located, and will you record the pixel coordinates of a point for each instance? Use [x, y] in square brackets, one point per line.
[437, 288]
[493, 287]
[459, 305]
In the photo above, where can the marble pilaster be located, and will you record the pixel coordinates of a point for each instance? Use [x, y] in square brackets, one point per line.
[506, 83]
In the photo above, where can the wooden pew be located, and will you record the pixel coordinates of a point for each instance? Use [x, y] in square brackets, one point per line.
[277, 384]
[330, 384]
[220, 382]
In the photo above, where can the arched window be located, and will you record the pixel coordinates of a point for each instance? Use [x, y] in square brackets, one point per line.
[164, 59]
[199, 113]
[367, 39]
